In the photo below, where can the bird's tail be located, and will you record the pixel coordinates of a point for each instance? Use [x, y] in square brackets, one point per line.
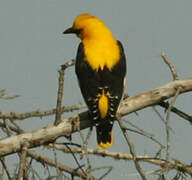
[104, 135]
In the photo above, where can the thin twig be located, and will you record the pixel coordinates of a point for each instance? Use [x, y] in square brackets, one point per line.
[175, 77]
[143, 133]
[161, 117]
[2, 125]
[146, 173]
[88, 136]
[60, 89]
[106, 173]
[77, 162]
[55, 158]
[22, 161]
[171, 66]
[101, 168]
[8, 130]
[50, 162]
[28, 168]
[4, 96]
[84, 148]
[176, 111]
[38, 113]
[18, 127]
[68, 64]
[5, 167]
[132, 148]
[59, 97]
[168, 123]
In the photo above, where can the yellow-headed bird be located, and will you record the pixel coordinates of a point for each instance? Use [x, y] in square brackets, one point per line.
[101, 69]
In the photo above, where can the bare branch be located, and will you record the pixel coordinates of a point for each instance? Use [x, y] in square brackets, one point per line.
[68, 64]
[171, 66]
[154, 97]
[59, 97]
[8, 130]
[176, 111]
[81, 121]
[60, 89]
[39, 113]
[19, 130]
[76, 160]
[51, 162]
[5, 167]
[143, 133]
[4, 96]
[168, 123]
[131, 148]
[22, 161]
[121, 156]
[109, 169]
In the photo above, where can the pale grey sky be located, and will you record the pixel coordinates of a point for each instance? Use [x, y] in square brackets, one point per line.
[32, 48]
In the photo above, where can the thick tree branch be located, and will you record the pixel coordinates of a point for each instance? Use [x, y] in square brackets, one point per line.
[81, 121]
[154, 97]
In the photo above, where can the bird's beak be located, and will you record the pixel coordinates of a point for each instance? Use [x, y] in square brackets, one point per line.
[69, 31]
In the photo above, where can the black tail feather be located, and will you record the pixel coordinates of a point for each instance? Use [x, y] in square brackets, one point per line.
[104, 135]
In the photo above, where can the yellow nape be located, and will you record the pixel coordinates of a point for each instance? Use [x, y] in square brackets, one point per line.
[101, 52]
[103, 105]
[106, 145]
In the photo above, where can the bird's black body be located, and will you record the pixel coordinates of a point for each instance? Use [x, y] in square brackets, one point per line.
[93, 82]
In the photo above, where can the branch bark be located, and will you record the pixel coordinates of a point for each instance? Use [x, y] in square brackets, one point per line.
[81, 121]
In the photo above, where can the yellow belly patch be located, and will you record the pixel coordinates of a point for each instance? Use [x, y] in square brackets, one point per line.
[103, 105]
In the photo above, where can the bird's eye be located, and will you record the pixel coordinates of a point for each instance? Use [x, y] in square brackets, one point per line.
[78, 31]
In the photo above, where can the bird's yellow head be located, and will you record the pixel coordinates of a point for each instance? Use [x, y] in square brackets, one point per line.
[100, 48]
[86, 26]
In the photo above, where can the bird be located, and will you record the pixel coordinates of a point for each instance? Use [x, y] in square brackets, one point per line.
[100, 69]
